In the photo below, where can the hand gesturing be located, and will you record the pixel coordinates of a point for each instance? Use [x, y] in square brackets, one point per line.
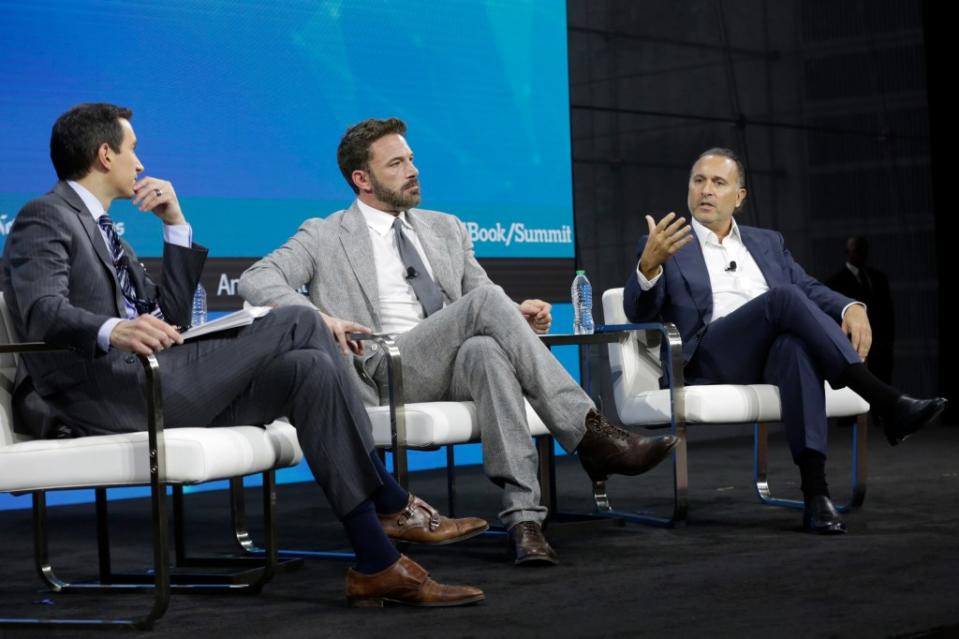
[665, 239]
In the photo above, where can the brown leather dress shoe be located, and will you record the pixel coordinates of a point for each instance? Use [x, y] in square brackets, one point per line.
[606, 449]
[420, 523]
[530, 547]
[407, 583]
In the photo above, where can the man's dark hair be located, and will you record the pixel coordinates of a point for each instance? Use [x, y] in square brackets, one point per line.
[78, 133]
[354, 150]
[727, 153]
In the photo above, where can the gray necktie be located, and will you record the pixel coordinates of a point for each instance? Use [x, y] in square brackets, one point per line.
[427, 292]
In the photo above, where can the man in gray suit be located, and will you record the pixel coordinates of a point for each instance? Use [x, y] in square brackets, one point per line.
[412, 272]
[70, 281]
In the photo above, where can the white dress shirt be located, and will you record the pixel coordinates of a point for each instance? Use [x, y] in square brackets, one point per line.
[400, 309]
[177, 234]
[731, 287]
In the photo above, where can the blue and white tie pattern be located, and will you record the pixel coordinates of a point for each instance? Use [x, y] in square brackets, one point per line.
[123, 271]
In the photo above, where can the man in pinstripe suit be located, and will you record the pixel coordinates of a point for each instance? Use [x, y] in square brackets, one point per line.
[70, 281]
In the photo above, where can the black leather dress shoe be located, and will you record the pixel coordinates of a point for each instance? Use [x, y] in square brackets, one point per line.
[530, 547]
[606, 449]
[909, 415]
[821, 518]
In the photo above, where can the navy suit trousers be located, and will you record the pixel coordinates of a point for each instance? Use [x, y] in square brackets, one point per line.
[780, 338]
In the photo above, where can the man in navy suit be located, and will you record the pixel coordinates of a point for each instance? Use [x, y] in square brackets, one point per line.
[748, 313]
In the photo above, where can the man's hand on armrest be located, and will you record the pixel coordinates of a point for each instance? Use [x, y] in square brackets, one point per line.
[341, 330]
[537, 313]
[144, 335]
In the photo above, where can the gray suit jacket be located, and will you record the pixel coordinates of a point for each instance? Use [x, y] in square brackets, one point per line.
[60, 286]
[333, 258]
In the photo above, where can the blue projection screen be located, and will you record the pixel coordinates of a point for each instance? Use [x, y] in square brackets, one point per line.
[241, 104]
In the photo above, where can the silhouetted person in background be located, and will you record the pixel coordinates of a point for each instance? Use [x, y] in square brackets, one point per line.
[870, 286]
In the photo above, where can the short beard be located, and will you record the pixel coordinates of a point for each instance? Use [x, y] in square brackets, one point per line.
[396, 199]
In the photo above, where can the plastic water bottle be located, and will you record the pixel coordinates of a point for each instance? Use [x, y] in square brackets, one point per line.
[199, 306]
[582, 292]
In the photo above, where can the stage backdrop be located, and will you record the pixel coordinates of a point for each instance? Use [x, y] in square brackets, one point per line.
[241, 104]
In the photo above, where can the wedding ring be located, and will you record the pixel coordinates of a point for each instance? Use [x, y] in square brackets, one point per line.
[158, 192]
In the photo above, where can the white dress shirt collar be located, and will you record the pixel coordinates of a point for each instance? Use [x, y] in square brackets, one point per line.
[89, 199]
[381, 221]
[704, 235]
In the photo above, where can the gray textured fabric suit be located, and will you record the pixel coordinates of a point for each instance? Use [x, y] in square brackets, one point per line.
[478, 347]
[60, 285]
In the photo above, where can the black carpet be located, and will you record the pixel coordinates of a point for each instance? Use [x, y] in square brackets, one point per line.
[737, 569]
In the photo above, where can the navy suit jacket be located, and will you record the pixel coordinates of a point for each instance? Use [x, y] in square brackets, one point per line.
[683, 295]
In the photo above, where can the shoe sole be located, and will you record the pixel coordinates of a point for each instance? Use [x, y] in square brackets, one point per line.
[380, 602]
[464, 537]
[828, 531]
[536, 561]
[634, 473]
[894, 441]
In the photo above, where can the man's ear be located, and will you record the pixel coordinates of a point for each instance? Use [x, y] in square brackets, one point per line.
[740, 197]
[104, 158]
[361, 179]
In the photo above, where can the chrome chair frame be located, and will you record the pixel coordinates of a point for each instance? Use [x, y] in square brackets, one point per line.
[162, 581]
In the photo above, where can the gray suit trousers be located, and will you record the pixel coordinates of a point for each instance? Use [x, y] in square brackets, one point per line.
[285, 364]
[480, 348]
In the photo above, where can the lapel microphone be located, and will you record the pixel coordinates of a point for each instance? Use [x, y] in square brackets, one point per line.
[731, 267]
[410, 272]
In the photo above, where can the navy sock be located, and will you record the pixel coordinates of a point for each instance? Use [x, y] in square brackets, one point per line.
[390, 497]
[374, 550]
[812, 470]
[880, 395]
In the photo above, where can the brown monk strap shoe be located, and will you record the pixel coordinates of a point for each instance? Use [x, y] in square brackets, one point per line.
[420, 523]
[529, 545]
[606, 449]
[407, 583]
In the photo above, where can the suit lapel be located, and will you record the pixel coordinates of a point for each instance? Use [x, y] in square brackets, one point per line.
[692, 266]
[355, 239]
[96, 239]
[436, 253]
[761, 254]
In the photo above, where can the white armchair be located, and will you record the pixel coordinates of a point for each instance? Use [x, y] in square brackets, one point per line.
[636, 369]
[157, 458]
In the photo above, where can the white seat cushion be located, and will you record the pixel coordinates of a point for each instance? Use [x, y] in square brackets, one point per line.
[433, 424]
[193, 455]
[729, 404]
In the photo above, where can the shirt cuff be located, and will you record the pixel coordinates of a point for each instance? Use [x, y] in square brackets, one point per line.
[103, 335]
[178, 234]
[846, 308]
[645, 284]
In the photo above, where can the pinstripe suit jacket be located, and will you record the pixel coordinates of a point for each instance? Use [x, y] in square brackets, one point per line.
[60, 286]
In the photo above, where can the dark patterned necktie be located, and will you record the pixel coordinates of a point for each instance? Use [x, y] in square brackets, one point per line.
[427, 292]
[123, 271]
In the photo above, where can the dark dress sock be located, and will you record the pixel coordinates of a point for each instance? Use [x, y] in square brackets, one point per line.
[374, 550]
[812, 470]
[880, 395]
[390, 497]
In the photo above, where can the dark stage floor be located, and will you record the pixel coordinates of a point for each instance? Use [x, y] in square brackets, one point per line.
[737, 569]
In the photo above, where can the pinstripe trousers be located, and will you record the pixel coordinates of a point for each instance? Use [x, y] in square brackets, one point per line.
[285, 364]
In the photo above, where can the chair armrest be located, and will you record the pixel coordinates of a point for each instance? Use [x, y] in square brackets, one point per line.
[393, 393]
[675, 378]
[154, 398]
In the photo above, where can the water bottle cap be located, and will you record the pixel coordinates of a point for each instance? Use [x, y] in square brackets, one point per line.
[580, 272]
